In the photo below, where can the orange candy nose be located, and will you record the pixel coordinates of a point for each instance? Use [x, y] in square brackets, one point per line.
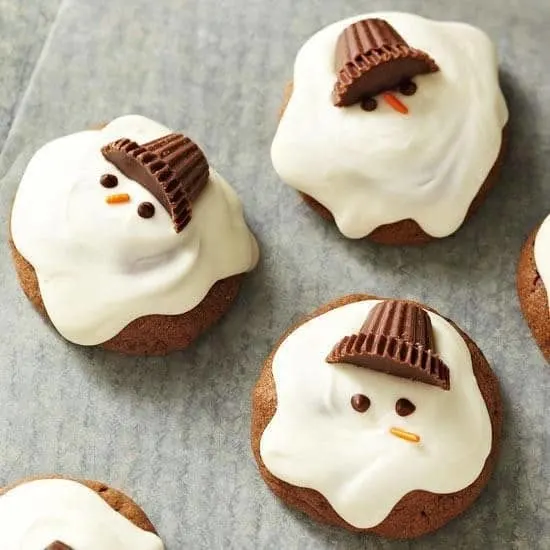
[407, 436]
[117, 199]
[394, 103]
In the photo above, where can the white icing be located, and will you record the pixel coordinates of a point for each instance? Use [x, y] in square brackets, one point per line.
[542, 253]
[37, 513]
[374, 168]
[101, 266]
[317, 440]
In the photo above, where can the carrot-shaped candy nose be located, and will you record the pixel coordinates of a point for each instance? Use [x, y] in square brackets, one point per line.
[395, 103]
[117, 198]
[407, 436]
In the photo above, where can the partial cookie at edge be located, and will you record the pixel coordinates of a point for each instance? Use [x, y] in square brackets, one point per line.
[533, 296]
[422, 511]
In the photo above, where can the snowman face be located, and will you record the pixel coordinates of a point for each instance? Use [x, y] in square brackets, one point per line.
[35, 515]
[145, 209]
[365, 439]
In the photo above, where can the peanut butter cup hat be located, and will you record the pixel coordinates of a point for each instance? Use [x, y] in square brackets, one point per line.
[366, 171]
[372, 57]
[397, 339]
[172, 168]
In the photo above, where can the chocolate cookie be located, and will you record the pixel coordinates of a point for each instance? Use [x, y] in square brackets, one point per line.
[131, 243]
[533, 294]
[35, 509]
[327, 442]
[367, 160]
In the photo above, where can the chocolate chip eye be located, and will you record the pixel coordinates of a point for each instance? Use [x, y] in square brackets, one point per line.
[404, 407]
[360, 402]
[369, 104]
[108, 180]
[146, 210]
[408, 87]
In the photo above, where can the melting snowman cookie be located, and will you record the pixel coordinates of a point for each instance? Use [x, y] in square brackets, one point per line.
[533, 284]
[126, 238]
[59, 514]
[428, 150]
[377, 416]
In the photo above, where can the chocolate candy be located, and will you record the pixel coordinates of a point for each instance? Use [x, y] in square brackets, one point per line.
[108, 180]
[396, 338]
[369, 104]
[404, 407]
[360, 402]
[146, 210]
[408, 88]
[372, 57]
[172, 168]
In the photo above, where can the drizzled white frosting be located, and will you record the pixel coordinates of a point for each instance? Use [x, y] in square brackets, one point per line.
[102, 266]
[542, 253]
[37, 513]
[373, 168]
[317, 440]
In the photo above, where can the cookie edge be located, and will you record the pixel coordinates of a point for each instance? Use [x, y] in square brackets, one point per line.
[148, 335]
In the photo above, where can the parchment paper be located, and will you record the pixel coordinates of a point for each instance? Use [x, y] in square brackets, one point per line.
[173, 432]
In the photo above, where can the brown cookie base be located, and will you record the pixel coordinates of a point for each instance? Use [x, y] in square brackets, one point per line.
[115, 499]
[408, 232]
[418, 512]
[152, 334]
[533, 296]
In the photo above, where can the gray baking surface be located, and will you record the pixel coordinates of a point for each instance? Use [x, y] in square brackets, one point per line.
[174, 432]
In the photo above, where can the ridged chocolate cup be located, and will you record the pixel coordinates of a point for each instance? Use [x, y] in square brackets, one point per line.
[397, 339]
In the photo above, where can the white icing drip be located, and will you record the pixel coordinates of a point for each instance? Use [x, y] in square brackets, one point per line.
[380, 167]
[542, 254]
[102, 266]
[37, 513]
[317, 440]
